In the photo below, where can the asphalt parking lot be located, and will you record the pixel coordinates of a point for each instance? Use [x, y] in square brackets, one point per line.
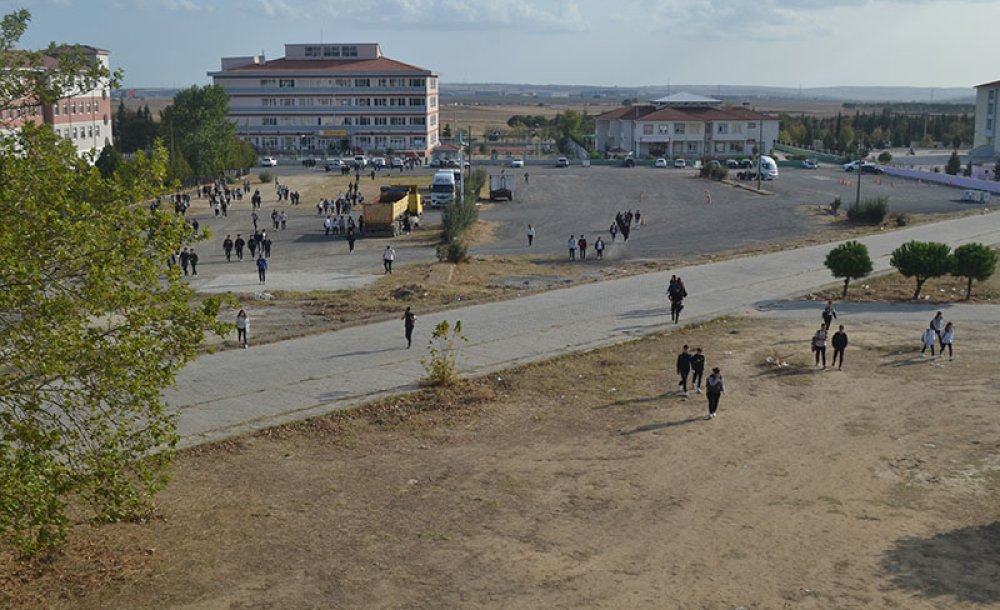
[678, 220]
[561, 202]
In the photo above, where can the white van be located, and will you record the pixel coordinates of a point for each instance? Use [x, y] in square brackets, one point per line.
[768, 168]
[443, 187]
[361, 161]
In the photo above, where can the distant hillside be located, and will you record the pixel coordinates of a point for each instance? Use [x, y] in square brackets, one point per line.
[729, 93]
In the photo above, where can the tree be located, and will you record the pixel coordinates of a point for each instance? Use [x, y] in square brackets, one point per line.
[954, 164]
[196, 123]
[921, 260]
[108, 161]
[975, 262]
[93, 327]
[850, 261]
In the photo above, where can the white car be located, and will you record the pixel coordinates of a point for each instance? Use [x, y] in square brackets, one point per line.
[679, 163]
[517, 163]
[660, 163]
[562, 162]
[269, 162]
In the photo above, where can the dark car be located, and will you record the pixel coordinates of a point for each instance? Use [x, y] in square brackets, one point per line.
[732, 163]
[871, 168]
[629, 162]
[309, 162]
[746, 163]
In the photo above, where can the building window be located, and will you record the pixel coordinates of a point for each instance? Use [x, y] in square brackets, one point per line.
[59, 133]
[331, 51]
[989, 124]
[647, 129]
[268, 101]
[417, 82]
[736, 147]
[417, 101]
[343, 101]
[434, 101]
[312, 52]
[286, 83]
[692, 147]
[74, 133]
[397, 101]
[381, 120]
[418, 120]
[72, 108]
[663, 129]
[268, 83]
[362, 82]
[720, 147]
[88, 107]
[363, 120]
[381, 101]
[362, 101]
[751, 126]
[434, 84]
[342, 82]
[678, 129]
[90, 131]
[397, 120]
[397, 142]
[288, 101]
[97, 130]
[722, 128]
[434, 120]
[305, 101]
[349, 51]
[269, 120]
[55, 109]
[383, 83]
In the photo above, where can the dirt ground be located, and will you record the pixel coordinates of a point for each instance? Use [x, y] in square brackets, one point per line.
[587, 482]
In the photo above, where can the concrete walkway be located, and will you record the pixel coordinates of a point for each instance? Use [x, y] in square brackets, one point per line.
[232, 392]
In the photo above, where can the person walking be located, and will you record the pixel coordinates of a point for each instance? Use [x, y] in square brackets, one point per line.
[227, 247]
[252, 245]
[350, 240]
[947, 339]
[697, 369]
[185, 259]
[531, 235]
[409, 321]
[193, 259]
[265, 244]
[388, 255]
[839, 343]
[714, 389]
[526, 177]
[242, 326]
[582, 244]
[929, 339]
[937, 323]
[819, 345]
[239, 243]
[829, 314]
[613, 229]
[262, 269]
[683, 370]
[599, 248]
[571, 244]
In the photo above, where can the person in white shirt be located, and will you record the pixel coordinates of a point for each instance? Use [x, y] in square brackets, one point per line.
[572, 248]
[242, 327]
[929, 339]
[388, 255]
[531, 234]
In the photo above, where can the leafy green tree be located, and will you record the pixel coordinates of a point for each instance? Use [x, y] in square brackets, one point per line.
[954, 164]
[134, 129]
[196, 124]
[974, 262]
[108, 161]
[93, 326]
[850, 261]
[921, 260]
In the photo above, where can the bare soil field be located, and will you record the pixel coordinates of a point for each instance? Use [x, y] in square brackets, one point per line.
[588, 482]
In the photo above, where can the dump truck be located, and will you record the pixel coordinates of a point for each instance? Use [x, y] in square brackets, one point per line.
[398, 208]
[500, 187]
[394, 192]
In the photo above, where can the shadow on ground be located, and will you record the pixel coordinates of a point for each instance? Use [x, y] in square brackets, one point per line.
[963, 564]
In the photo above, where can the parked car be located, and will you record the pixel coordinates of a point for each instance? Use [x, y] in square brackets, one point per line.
[268, 162]
[517, 162]
[629, 162]
[746, 163]
[562, 162]
[333, 165]
[732, 163]
[810, 164]
[360, 161]
[852, 166]
[379, 162]
[660, 163]
[680, 163]
[437, 163]
[871, 168]
[309, 162]
[396, 162]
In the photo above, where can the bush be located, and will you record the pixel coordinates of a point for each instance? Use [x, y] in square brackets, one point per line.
[713, 170]
[835, 205]
[474, 184]
[266, 177]
[901, 219]
[457, 217]
[453, 252]
[885, 156]
[869, 211]
[441, 363]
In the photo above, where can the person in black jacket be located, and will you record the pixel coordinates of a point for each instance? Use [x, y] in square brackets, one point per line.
[193, 259]
[697, 369]
[239, 243]
[839, 343]
[683, 369]
[227, 247]
[185, 259]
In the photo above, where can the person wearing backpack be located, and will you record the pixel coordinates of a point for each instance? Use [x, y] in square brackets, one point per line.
[714, 389]
[839, 343]
[262, 269]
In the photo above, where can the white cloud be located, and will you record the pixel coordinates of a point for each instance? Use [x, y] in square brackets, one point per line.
[275, 8]
[189, 6]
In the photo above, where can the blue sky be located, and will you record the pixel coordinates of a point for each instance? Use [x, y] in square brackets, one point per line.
[924, 43]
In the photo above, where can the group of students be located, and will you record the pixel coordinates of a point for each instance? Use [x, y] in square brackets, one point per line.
[936, 334]
[693, 365]
[838, 341]
[574, 243]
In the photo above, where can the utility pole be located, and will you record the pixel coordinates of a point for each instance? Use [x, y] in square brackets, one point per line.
[760, 150]
[857, 197]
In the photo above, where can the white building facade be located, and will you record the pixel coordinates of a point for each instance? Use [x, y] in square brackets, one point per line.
[686, 126]
[986, 146]
[327, 98]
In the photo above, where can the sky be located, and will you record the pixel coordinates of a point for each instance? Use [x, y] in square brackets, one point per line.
[787, 43]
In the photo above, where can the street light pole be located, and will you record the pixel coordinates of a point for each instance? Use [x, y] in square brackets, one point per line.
[857, 197]
[760, 150]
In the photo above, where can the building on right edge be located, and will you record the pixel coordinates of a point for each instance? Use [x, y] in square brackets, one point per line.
[985, 145]
[687, 126]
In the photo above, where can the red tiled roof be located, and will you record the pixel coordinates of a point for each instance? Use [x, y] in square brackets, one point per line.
[379, 64]
[649, 113]
[626, 113]
[995, 83]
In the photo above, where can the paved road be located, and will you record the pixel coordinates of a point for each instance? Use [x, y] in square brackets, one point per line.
[228, 393]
